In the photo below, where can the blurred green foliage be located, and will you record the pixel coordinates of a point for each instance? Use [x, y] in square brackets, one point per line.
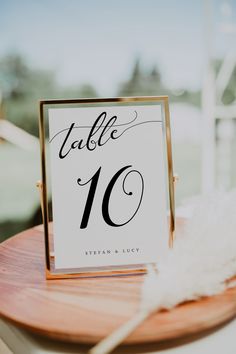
[229, 95]
[22, 87]
[149, 83]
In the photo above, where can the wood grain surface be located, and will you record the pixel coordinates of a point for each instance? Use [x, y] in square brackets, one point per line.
[87, 310]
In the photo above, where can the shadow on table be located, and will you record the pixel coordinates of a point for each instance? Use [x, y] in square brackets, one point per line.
[62, 347]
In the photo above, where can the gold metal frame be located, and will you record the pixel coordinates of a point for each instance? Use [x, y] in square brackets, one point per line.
[51, 273]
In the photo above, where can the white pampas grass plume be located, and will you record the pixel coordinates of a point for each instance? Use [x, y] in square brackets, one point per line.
[202, 260]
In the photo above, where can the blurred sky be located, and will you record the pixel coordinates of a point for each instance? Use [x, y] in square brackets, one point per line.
[97, 41]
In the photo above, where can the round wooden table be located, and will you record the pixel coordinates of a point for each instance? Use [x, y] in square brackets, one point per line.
[87, 310]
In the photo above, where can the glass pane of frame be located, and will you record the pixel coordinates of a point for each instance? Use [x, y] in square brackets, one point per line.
[107, 183]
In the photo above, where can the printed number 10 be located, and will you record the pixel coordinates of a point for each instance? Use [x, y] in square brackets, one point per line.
[106, 198]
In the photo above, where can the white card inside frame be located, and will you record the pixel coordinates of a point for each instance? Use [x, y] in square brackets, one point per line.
[109, 178]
